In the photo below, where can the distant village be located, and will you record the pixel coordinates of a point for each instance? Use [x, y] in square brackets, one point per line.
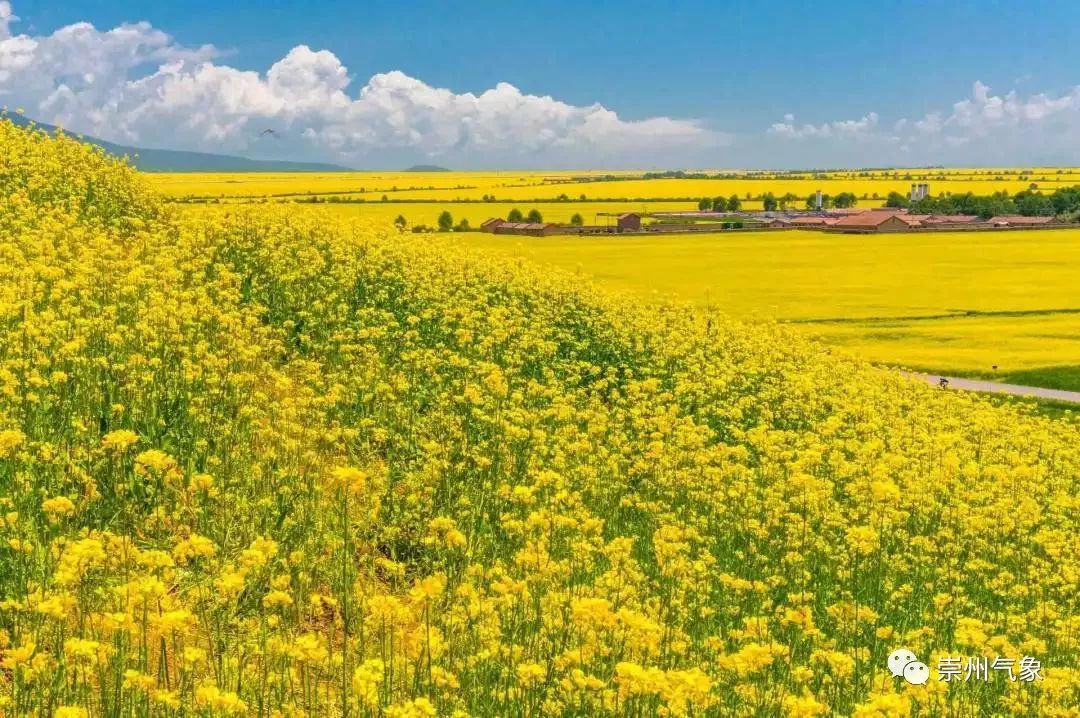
[840, 220]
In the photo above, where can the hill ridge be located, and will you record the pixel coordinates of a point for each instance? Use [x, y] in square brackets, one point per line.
[165, 160]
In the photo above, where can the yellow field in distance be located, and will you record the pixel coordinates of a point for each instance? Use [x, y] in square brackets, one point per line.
[960, 302]
[427, 213]
[518, 186]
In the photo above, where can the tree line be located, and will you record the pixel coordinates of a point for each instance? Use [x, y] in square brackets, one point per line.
[770, 202]
[1064, 202]
[445, 223]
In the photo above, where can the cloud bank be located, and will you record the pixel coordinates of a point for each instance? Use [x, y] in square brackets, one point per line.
[134, 84]
[983, 129]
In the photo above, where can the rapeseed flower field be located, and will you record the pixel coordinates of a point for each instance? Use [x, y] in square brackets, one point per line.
[870, 187]
[994, 305]
[475, 213]
[269, 464]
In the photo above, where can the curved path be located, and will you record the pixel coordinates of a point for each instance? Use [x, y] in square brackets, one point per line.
[995, 387]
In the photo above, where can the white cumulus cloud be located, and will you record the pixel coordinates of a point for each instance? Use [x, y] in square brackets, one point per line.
[982, 129]
[7, 18]
[135, 84]
[848, 129]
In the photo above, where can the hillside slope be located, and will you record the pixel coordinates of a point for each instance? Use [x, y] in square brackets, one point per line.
[263, 464]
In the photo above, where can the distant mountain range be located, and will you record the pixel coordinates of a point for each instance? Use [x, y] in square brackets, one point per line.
[152, 160]
[427, 168]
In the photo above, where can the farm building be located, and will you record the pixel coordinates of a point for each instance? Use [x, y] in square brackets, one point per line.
[845, 211]
[530, 229]
[1015, 220]
[878, 222]
[948, 220]
[955, 221]
[628, 222]
[683, 228]
[813, 222]
[588, 229]
[883, 219]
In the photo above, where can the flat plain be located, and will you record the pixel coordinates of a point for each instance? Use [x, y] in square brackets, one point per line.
[872, 187]
[958, 303]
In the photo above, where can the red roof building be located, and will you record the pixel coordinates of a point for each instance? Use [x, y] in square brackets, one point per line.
[531, 229]
[1015, 220]
[879, 222]
[813, 221]
[950, 219]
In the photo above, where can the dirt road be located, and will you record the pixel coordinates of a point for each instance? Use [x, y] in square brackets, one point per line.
[994, 387]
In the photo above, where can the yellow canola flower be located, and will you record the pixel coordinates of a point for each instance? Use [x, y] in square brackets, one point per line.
[84, 650]
[884, 705]
[308, 648]
[210, 697]
[139, 681]
[15, 657]
[119, 440]
[10, 439]
[804, 706]
[416, 708]
[529, 674]
[166, 698]
[350, 480]
[57, 507]
[70, 712]
[366, 680]
[157, 463]
[193, 547]
[179, 620]
[277, 599]
[751, 658]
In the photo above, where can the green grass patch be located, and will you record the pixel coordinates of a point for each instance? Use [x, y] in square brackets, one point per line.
[1051, 377]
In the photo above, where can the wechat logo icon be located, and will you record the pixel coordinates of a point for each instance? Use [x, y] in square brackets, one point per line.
[903, 663]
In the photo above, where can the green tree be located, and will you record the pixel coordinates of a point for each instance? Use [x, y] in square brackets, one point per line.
[1033, 204]
[769, 202]
[577, 220]
[897, 200]
[534, 216]
[400, 222]
[705, 204]
[515, 216]
[845, 200]
[733, 203]
[719, 204]
[463, 226]
[446, 221]
[1066, 199]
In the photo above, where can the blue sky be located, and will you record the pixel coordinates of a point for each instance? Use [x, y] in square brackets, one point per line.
[732, 71]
